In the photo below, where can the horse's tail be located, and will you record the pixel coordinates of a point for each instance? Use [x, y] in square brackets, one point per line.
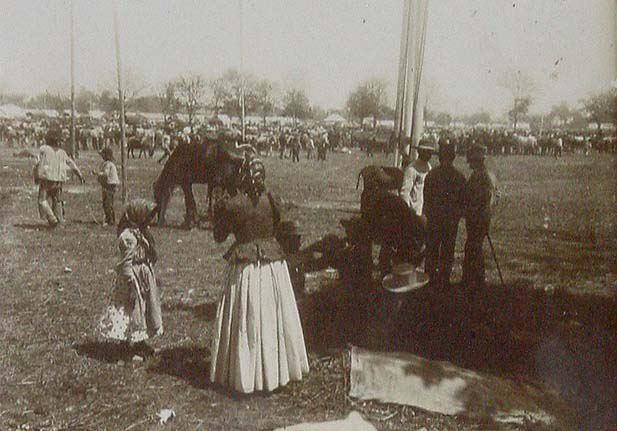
[166, 178]
[360, 175]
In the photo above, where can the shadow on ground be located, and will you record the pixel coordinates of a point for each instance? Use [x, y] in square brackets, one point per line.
[189, 363]
[565, 341]
[204, 312]
[33, 226]
[104, 351]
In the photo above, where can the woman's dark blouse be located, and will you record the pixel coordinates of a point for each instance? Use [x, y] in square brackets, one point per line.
[252, 224]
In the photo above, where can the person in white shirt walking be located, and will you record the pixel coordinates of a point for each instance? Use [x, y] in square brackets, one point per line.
[50, 172]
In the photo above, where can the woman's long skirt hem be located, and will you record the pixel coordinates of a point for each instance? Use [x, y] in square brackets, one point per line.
[258, 343]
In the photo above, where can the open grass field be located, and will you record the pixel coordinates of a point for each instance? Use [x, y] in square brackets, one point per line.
[554, 324]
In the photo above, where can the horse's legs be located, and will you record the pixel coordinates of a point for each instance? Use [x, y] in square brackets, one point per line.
[163, 207]
[191, 207]
[210, 190]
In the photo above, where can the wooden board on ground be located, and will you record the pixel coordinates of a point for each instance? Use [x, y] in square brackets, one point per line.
[441, 387]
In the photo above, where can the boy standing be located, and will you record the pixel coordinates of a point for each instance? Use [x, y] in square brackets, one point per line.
[108, 178]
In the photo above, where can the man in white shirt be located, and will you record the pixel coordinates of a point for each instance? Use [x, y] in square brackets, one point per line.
[108, 178]
[51, 171]
[412, 190]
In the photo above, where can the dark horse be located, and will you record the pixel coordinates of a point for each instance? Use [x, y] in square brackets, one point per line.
[144, 145]
[202, 163]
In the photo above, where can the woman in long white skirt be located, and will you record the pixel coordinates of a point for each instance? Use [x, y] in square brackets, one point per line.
[258, 343]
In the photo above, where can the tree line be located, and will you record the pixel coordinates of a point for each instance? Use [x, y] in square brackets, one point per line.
[192, 94]
[370, 99]
[189, 94]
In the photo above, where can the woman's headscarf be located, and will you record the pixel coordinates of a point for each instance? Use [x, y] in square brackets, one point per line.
[137, 215]
[257, 177]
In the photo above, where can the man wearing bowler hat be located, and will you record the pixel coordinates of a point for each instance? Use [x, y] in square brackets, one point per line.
[479, 197]
[443, 207]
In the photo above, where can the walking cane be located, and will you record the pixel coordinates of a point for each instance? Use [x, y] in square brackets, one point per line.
[490, 243]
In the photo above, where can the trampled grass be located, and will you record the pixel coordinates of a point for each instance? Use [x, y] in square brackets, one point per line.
[554, 236]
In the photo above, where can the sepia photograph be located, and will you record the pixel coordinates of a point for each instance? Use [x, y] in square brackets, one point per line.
[292, 215]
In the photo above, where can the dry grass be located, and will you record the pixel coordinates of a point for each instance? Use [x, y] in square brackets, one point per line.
[553, 230]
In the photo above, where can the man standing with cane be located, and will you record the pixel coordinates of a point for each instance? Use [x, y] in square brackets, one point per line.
[480, 191]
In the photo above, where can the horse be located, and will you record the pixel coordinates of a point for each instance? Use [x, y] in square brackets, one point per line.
[145, 146]
[377, 179]
[396, 227]
[205, 162]
[526, 144]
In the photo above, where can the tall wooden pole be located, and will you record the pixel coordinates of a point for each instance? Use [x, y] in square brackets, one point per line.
[74, 150]
[242, 105]
[121, 101]
[401, 92]
[408, 115]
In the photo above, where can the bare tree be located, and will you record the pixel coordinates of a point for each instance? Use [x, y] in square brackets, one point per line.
[521, 86]
[226, 92]
[218, 93]
[368, 99]
[296, 104]
[602, 107]
[168, 100]
[265, 98]
[191, 89]
[134, 84]
[561, 112]
[84, 101]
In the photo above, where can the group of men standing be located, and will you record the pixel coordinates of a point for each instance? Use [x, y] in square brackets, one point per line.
[293, 142]
[443, 197]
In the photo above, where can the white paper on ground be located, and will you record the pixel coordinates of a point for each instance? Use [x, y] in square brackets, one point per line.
[353, 422]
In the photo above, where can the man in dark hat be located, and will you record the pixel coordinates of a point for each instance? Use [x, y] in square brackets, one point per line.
[50, 172]
[443, 207]
[480, 191]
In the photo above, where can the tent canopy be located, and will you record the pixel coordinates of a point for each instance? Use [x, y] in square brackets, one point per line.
[12, 111]
[334, 118]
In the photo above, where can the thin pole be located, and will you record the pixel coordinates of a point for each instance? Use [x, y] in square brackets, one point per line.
[402, 79]
[74, 152]
[242, 106]
[418, 111]
[121, 100]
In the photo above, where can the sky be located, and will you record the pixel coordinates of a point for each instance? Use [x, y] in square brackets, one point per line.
[326, 47]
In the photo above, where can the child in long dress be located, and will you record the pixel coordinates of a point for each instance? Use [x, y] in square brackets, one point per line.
[134, 314]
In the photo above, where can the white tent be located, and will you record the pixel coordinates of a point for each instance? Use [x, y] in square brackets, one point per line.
[12, 111]
[334, 118]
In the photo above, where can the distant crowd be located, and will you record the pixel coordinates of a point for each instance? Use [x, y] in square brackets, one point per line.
[314, 140]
